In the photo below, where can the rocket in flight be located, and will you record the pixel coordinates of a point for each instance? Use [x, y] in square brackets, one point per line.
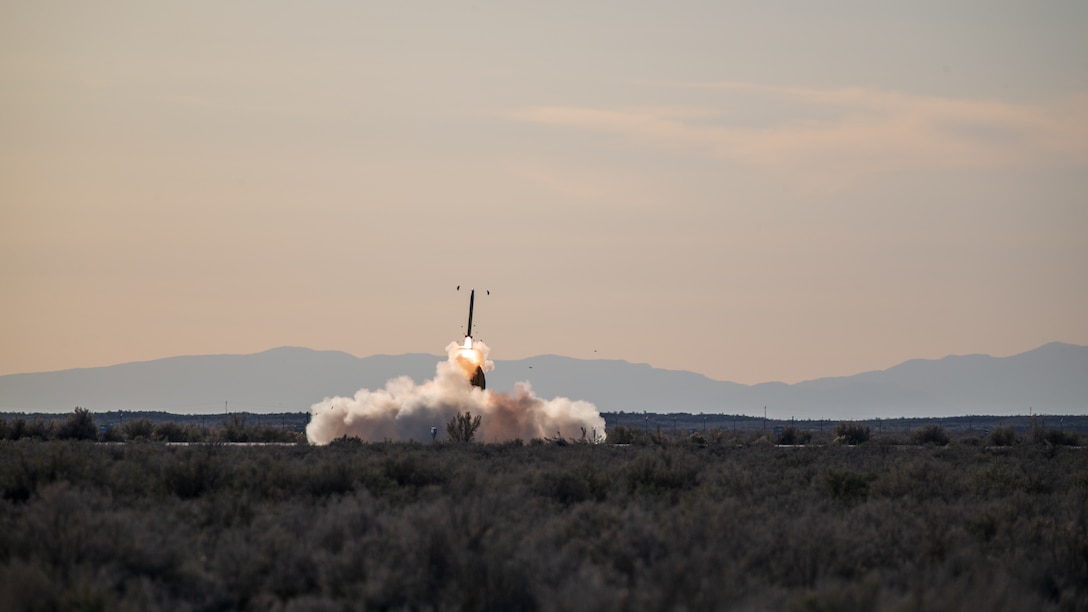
[477, 379]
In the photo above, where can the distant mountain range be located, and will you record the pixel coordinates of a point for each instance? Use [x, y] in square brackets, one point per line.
[1051, 379]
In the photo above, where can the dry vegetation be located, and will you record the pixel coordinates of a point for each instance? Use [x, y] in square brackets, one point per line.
[712, 522]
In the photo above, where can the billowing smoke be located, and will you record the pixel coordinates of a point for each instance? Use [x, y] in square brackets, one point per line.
[404, 410]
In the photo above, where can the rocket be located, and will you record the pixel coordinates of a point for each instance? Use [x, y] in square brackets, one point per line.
[471, 301]
[477, 379]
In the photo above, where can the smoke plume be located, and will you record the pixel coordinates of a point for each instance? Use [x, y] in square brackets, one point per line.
[404, 410]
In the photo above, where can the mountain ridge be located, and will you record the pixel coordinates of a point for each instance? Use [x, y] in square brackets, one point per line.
[1052, 378]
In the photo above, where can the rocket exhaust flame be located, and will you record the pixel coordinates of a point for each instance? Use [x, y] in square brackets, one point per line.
[404, 410]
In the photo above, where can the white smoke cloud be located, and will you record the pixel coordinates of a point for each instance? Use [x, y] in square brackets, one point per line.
[404, 410]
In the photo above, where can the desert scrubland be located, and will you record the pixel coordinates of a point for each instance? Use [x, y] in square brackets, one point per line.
[708, 522]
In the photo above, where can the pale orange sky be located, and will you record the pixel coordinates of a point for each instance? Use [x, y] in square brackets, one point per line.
[754, 193]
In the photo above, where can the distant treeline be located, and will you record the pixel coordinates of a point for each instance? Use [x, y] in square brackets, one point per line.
[683, 422]
[81, 424]
[679, 422]
[638, 429]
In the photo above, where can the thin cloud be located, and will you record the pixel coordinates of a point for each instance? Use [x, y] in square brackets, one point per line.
[567, 181]
[857, 131]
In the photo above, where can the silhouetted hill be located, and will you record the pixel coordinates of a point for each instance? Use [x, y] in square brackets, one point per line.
[279, 380]
[1050, 379]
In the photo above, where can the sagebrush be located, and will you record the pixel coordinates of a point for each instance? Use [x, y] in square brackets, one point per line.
[541, 526]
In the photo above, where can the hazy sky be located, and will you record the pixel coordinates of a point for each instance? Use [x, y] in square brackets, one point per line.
[749, 191]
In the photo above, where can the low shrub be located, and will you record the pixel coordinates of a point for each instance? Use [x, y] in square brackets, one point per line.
[346, 441]
[78, 426]
[12, 430]
[169, 432]
[654, 472]
[1004, 436]
[1041, 434]
[235, 430]
[847, 486]
[620, 434]
[697, 439]
[931, 434]
[852, 433]
[462, 428]
[1058, 437]
[40, 429]
[791, 435]
[137, 429]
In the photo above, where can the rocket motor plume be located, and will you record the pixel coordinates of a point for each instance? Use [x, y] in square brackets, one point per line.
[404, 410]
[467, 356]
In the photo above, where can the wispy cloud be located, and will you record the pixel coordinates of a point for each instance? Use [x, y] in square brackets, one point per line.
[856, 131]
